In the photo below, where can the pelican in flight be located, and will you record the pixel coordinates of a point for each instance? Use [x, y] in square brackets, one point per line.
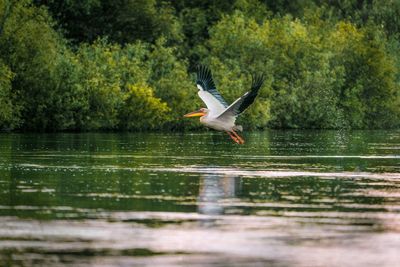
[219, 115]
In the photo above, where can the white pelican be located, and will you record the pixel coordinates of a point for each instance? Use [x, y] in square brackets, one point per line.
[219, 115]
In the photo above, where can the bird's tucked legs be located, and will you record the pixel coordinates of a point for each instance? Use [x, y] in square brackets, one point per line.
[233, 137]
[241, 140]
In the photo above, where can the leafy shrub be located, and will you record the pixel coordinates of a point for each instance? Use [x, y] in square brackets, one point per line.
[7, 119]
[319, 75]
[141, 109]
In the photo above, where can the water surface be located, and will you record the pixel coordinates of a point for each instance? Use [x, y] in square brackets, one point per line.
[285, 198]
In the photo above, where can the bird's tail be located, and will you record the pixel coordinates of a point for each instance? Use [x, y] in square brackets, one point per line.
[238, 128]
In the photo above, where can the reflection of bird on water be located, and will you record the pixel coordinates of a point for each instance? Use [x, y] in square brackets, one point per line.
[219, 115]
[213, 189]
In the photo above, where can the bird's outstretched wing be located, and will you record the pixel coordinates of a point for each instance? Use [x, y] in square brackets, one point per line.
[208, 92]
[244, 101]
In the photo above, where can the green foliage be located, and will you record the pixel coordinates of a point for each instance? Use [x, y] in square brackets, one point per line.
[126, 64]
[7, 120]
[141, 109]
[321, 75]
[101, 85]
[172, 84]
[109, 71]
[57, 89]
[122, 21]
[69, 102]
[30, 48]
[370, 92]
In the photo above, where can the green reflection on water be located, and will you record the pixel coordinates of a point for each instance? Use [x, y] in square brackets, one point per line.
[74, 198]
[75, 175]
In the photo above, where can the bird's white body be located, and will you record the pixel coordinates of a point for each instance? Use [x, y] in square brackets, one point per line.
[215, 117]
[219, 115]
[225, 124]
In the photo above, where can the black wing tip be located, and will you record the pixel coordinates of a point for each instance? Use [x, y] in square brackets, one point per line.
[204, 77]
[203, 72]
[257, 81]
[201, 68]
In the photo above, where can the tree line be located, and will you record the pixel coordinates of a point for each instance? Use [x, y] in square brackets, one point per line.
[130, 64]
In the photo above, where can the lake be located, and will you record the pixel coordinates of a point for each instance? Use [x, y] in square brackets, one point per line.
[285, 198]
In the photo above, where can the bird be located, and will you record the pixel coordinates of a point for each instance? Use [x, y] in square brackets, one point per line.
[219, 115]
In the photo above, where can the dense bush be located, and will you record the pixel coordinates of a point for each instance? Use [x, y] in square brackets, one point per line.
[129, 65]
[31, 49]
[6, 107]
[321, 75]
[112, 75]
[141, 109]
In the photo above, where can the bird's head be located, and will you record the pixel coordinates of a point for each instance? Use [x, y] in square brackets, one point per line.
[198, 113]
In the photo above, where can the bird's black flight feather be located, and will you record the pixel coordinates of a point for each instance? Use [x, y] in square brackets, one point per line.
[248, 99]
[205, 80]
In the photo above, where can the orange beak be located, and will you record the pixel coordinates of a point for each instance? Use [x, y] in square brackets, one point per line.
[197, 113]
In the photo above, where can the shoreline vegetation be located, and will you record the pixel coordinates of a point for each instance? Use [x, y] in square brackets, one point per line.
[125, 65]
